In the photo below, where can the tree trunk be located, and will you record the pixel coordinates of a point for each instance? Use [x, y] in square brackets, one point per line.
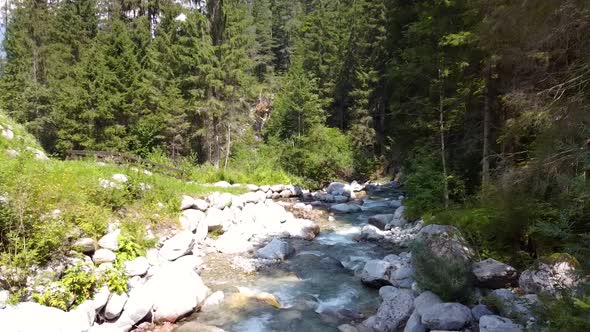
[485, 170]
[442, 141]
[228, 147]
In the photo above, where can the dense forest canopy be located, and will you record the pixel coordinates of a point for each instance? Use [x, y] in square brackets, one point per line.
[483, 104]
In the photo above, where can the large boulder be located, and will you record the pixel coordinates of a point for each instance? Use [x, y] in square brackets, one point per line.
[376, 273]
[446, 316]
[220, 200]
[345, 208]
[398, 217]
[137, 267]
[550, 275]
[380, 220]
[187, 202]
[190, 219]
[339, 189]
[492, 323]
[510, 304]
[110, 241]
[414, 323]
[426, 300]
[85, 245]
[394, 311]
[177, 246]
[176, 291]
[445, 241]
[34, 317]
[275, 249]
[103, 256]
[402, 272]
[301, 228]
[235, 241]
[480, 310]
[493, 274]
[115, 305]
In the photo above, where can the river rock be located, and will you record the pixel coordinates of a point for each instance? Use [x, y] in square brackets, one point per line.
[115, 305]
[192, 262]
[4, 296]
[394, 311]
[137, 267]
[324, 197]
[187, 202]
[339, 189]
[445, 241]
[426, 300]
[401, 273]
[276, 249]
[252, 187]
[103, 256]
[398, 217]
[286, 193]
[493, 274]
[395, 204]
[85, 245]
[213, 301]
[235, 240]
[493, 323]
[511, 305]
[372, 233]
[380, 220]
[340, 199]
[33, 317]
[177, 246]
[376, 273]
[345, 208]
[190, 219]
[220, 200]
[301, 228]
[110, 241]
[175, 291]
[277, 188]
[101, 297]
[414, 323]
[550, 275]
[222, 184]
[446, 316]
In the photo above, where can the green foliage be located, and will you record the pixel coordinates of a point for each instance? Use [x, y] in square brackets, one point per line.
[76, 286]
[323, 155]
[568, 312]
[115, 279]
[424, 185]
[451, 280]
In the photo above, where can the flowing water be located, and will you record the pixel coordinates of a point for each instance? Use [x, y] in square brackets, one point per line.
[316, 287]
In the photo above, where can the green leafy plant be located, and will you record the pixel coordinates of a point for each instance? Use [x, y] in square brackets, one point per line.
[76, 286]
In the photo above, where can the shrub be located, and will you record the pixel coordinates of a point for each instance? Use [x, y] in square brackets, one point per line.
[76, 286]
[424, 185]
[567, 312]
[451, 280]
[321, 156]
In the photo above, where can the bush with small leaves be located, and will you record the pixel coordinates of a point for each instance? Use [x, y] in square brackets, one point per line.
[451, 280]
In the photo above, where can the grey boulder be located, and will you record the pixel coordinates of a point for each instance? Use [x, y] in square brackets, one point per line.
[492, 323]
[493, 274]
[275, 249]
[446, 316]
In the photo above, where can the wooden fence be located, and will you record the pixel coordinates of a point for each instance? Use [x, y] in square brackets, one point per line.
[128, 159]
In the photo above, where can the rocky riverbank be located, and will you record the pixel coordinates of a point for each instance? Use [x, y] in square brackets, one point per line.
[269, 238]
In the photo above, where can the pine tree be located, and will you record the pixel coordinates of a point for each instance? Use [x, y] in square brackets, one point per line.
[263, 55]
